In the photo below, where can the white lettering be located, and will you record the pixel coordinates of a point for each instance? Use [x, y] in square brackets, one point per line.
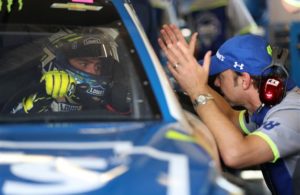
[92, 40]
[273, 82]
[96, 92]
[220, 56]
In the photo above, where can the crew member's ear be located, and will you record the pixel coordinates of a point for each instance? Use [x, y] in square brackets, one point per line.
[246, 80]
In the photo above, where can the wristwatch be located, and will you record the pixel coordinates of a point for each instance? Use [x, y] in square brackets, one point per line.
[202, 99]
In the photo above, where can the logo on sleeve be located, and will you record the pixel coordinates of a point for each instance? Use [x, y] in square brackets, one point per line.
[268, 125]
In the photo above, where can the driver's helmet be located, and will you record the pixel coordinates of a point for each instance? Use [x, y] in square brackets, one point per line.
[65, 45]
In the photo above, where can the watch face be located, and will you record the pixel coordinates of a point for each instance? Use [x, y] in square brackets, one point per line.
[201, 98]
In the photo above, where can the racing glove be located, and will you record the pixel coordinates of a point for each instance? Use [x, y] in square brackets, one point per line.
[36, 104]
[58, 83]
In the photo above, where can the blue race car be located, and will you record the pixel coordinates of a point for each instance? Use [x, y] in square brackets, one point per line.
[118, 128]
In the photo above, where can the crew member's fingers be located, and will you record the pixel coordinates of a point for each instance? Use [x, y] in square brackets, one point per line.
[170, 33]
[173, 70]
[178, 34]
[193, 43]
[178, 54]
[206, 61]
[165, 37]
[169, 54]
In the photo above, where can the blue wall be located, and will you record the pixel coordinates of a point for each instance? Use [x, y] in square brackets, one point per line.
[295, 51]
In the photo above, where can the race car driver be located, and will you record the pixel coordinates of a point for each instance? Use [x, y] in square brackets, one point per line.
[78, 74]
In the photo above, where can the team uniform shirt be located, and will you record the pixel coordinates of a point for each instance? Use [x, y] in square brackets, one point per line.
[280, 128]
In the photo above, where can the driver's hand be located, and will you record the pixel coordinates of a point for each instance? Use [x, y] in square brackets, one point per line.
[36, 104]
[58, 83]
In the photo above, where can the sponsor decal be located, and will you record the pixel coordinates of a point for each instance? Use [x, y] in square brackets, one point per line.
[96, 92]
[268, 125]
[91, 41]
[273, 82]
[220, 56]
[64, 107]
[9, 4]
[237, 65]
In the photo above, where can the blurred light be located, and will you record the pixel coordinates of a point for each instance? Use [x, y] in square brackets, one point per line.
[291, 6]
[186, 32]
[253, 174]
[233, 189]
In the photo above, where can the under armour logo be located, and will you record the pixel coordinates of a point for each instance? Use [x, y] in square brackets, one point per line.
[240, 66]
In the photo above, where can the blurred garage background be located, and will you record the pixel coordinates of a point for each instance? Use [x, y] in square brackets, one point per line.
[216, 21]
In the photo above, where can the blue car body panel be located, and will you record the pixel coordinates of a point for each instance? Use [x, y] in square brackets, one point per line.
[142, 158]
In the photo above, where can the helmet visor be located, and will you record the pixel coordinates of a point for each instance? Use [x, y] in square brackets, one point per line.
[91, 46]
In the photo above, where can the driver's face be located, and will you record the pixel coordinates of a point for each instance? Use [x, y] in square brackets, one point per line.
[89, 65]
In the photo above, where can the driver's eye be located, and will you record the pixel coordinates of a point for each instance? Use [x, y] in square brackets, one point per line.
[83, 64]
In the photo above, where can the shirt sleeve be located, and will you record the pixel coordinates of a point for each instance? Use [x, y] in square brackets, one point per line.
[282, 132]
[246, 124]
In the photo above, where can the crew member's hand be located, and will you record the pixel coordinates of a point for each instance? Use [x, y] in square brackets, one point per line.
[171, 34]
[191, 76]
[58, 83]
